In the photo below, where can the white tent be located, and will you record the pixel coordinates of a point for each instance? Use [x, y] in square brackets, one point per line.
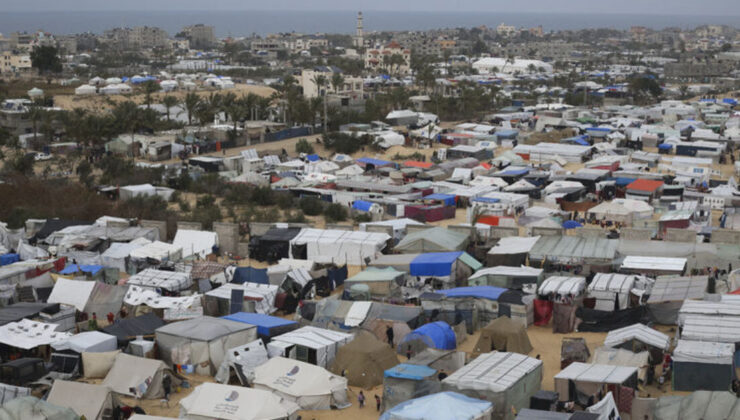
[26, 334]
[202, 341]
[587, 375]
[637, 332]
[309, 344]
[72, 292]
[86, 400]
[339, 246]
[84, 90]
[197, 243]
[262, 296]
[243, 359]
[397, 225]
[562, 286]
[89, 342]
[139, 374]
[309, 386]
[160, 251]
[215, 401]
[608, 288]
[118, 253]
[159, 279]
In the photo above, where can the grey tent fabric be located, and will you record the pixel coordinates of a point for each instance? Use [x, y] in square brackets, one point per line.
[433, 240]
[707, 405]
[25, 408]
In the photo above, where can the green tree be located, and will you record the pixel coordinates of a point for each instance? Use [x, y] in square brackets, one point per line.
[321, 82]
[335, 212]
[191, 103]
[303, 146]
[45, 59]
[169, 102]
[311, 206]
[150, 87]
[337, 81]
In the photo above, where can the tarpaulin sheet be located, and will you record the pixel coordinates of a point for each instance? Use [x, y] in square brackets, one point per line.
[434, 264]
[362, 205]
[250, 275]
[483, 292]
[603, 321]
[542, 312]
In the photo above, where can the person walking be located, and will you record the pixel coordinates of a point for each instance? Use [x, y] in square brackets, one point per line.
[361, 399]
[377, 402]
[389, 334]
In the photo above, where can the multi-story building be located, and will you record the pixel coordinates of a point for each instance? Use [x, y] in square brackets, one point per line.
[506, 30]
[638, 34]
[148, 37]
[351, 86]
[306, 43]
[391, 58]
[11, 62]
[200, 36]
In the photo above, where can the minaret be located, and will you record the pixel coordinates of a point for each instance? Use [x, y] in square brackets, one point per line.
[359, 40]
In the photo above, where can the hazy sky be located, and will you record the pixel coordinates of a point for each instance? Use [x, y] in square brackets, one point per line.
[670, 7]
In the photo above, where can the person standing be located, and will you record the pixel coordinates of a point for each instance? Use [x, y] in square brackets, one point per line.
[167, 386]
[361, 399]
[377, 402]
[389, 334]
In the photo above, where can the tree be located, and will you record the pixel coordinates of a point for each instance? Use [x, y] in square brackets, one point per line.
[150, 87]
[337, 81]
[45, 59]
[321, 82]
[335, 212]
[169, 102]
[303, 146]
[191, 105]
[35, 114]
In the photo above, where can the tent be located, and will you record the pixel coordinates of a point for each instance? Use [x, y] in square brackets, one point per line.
[560, 296]
[243, 360]
[338, 246]
[171, 281]
[670, 292]
[32, 408]
[250, 275]
[621, 357]
[505, 379]
[503, 334]
[579, 381]
[127, 329]
[363, 360]
[405, 381]
[637, 338]
[309, 344]
[611, 290]
[381, 282]
[437, 335]
[202, 341]
[195, 243]
[226, 402]
[84, 90]
[117, 255]
[452, 267]
[26, 334]
[441, 406]
[309, 386]
[700, 365]
[88, 341]
[436, 239]
[267, 326]
[511, 251]
[473, 305]
[708, 405]
[88, 400]
[273, 245]
[506, 277]
[137, 376]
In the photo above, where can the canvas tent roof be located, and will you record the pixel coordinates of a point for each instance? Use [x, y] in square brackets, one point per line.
[587, 372]
[129, 328]
[137, 372]
[438, 335]
[495, 371]
[697, 405]
[314, 338]
[561, 285]
[160, 279]
[217, 401]
[88, 341]
[85, 399]
[640, 263]
[637, 332]
[204, 328]
[340, 246]
[503, 334]
[26, 334]
[671, 288]
[72, 292]
[263, 322]
[433, 240]
[263, 294]
[574, 249]
[21, 310]
[704, 352]
[197, 243]
[711, 328]
[440, 406]
[364, 360]
[25, 408]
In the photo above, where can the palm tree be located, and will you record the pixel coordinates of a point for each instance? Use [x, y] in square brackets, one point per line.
[191, 104]
[337, 81]
[320, 81]
[237, 111]
[150, 87]
[169, 102]
[35, 114]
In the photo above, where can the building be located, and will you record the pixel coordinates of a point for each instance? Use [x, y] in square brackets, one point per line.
[148, 37]
[200, 36]
[351, 87]
[358, 41]
[506, 30]
[297, 45]
[11, 62]
[504, 65]
[697, 72]
[638, 34]
[391, 58]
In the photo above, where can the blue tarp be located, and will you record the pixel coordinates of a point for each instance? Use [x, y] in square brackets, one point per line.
[730, 101]
[571, 224]
[373, 161]
[506, 133]
[483, 292]
[250, 275]
[623, 182]
[665, 146]
[438, 335]
[409, 371]
[312, 158]
[602, 129]
[437, 264]
[486, 199]
[440, 406]
[8, 259]
[88, 269]
[448, 199]
[263, 322]
[362, 205]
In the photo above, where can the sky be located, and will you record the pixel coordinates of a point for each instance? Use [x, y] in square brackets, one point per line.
[671, 7]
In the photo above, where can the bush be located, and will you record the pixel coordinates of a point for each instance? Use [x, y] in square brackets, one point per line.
[303, 146]
[294, 216]
[335, 213]
[311, 206]
[263, 196]
[345, 143]
[284, 200]
[362, 218]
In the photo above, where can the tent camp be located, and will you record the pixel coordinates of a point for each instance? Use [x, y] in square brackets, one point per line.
[138, 376]
[309, 344]
[202, 341]
[611, 290]
[337, 246]
[88, 296]
[171, 281]
[26, 334]
[436, 239]
[94, 402]
[381, 282]
[88, 341]
[668, 295]
[579, 381]
[621, 357]
[195, 243]
[441, 406]
[309, 386]
[436, 335]
[226, 402]
[156, 251]
[637, 338]
[117, 255]
[450, 268]
[259, 298]
[505, 379]
[588, 252]
[267, 326]
[559, 298]
[363, 360]
[405, 381]
[503, 334]
[273, 245]
[506, 277]
[511, 251]
[127, 329]
[699, 365]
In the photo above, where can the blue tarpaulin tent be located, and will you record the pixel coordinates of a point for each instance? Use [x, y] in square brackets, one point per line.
[623, 182]
[250, 275]
[312, 158]
[484, 292]
[87, 269]
[409, 371]
[571, 224]
[448, 199]
[362, 205]
[440, 406]
[8, 259]
[267, 326]
[436, 264]
[438, 335]
[665, 146]
[375, 162]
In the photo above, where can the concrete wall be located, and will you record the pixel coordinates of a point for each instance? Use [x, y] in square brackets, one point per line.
[242, 249]
[259, 228]
[498, 232]
[228, 236]
[546, 231]
[161, 225]
[679, 235]
[189, 226]
[726, 236]
[339, 226]
[636, 234]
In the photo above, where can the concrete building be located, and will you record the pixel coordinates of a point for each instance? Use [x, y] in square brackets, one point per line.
[351, 87]
[148, 37]
[506, 30]
[200, 36]
[381, 59]
[638, 34]
[503, 65]
[697, 72]
[11, 62]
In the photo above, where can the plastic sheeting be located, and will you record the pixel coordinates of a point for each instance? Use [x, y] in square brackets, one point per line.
[440, 406]
[438, 335]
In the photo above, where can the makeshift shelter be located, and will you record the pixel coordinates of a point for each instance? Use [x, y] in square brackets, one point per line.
[473, 305]
[195, 243]
[157, 252]
[654, 266]
[363, 360]
[381, 282]
[243, 360]
[88, 296]
[273, 245]
[637, 338]
[309, 386]
[697, 405]
[94, 402]
[511, 251]
[401, 318]
[587, 252]
[172, 281]
[505, 379]
[226, 402]
[579, 381]
[503, 334]
[26, 334]
[441, 406]
[138, 377]
[559, 297]
[573, 349]
[405, 381]
[611, 290]
[88, 341]
[260, 298]
[700, 365]
[267, 326]
[250, 275]
[449, 268]
[128, 329]
[668, 294]
[338, 246]
[622, 357]
[202, 341]
[443, 360]
[117, 255]
[506, 277]
[25, 408]
[433, 240]
[309, 344]
[437, 335]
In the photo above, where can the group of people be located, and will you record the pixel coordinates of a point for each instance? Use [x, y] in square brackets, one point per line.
[361, 401]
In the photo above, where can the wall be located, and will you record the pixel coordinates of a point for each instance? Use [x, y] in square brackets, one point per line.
[679, 235]
[228, 237]
[498, 232]
[189, 226]
[546, 231]
[726, 236]
[636, 234]
[159, 224]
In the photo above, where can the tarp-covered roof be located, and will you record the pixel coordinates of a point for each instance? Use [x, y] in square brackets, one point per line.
[440, 406]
